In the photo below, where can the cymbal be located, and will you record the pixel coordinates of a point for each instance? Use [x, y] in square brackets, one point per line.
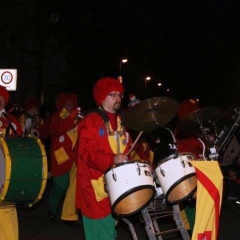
[151, 113]
[205, 119]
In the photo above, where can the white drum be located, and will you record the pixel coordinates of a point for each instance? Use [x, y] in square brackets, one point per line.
[177, 177]
[130, 187]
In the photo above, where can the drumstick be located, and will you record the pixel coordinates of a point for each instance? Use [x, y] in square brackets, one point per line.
[139, 135]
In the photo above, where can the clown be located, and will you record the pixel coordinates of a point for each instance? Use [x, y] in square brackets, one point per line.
[63, 129]
[103, 142]
[33, 124]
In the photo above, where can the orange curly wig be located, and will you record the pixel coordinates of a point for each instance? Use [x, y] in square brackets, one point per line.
[31, 102]
[5, 94]
[64, 98]
[104, 86]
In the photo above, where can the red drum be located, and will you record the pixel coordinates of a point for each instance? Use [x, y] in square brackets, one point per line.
[130, 187]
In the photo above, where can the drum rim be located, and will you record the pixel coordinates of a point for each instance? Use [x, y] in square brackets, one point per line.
[170, 157]
[115, 165]
[176, 184]
[125, 194]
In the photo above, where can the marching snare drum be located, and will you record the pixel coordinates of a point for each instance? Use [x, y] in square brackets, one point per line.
[23, 171]
[177, 177]
[130, 187]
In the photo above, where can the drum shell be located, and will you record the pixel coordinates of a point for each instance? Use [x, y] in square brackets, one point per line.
[177, 177]
[23, 166]
[130, 187]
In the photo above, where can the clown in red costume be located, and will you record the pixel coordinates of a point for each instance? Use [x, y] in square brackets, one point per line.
[188, 144]
[33, 124]
[194, 146]
[101, 145]
[63, 128]
[9, 125]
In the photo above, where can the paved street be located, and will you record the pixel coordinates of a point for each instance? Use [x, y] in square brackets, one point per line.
[34, 225]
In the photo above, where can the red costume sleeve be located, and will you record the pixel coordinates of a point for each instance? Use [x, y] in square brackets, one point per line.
[92, 143]
[58, 126]
[15, 124]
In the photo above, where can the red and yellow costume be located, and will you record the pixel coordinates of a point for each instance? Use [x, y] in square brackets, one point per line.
[142, 152]
[194, 146]
[33, 125]
[188, 144]
[63, 129]
[97, 148]
[101, 137]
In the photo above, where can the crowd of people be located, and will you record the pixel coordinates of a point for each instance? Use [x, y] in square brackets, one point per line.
[81, 149]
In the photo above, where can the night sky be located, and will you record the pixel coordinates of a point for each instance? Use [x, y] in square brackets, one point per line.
[189, 46]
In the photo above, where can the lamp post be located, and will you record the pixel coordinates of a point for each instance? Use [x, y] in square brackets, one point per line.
[123, 61]
[148, 78]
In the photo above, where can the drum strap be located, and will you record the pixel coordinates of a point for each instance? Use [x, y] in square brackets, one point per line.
[104, 116]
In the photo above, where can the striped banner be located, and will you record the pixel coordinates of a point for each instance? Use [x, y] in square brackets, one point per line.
[209, 200]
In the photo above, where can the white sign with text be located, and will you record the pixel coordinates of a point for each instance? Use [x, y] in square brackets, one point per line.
[8, 79]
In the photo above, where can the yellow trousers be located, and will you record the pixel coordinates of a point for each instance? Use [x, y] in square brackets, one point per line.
[8, 223]
[69, 211]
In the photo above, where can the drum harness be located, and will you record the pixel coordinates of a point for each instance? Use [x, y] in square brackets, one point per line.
[105, 118]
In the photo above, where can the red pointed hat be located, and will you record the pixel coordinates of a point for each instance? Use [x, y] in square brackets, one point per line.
[186, 107]
[5, 94]
[104, 86]
[31, 103]
[63, 98]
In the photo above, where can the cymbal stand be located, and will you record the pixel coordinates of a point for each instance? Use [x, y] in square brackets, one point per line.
[130, 225]
[173, 145]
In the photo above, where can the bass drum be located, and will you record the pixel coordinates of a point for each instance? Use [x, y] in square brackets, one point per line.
[23, 171]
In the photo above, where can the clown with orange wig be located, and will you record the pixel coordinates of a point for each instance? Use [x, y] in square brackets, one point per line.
[33, 124]
[103, 142]
[63, 129]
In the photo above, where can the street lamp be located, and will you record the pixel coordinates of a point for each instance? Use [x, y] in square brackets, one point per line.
[148, 78]
[123, 61]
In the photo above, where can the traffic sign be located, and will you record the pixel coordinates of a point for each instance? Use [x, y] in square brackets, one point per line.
[8, 79]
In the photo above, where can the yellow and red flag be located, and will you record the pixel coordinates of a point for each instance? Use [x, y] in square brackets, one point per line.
[209, 199]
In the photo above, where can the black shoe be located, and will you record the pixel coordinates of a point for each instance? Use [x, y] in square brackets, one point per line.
[51, 217]
[72, 223]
